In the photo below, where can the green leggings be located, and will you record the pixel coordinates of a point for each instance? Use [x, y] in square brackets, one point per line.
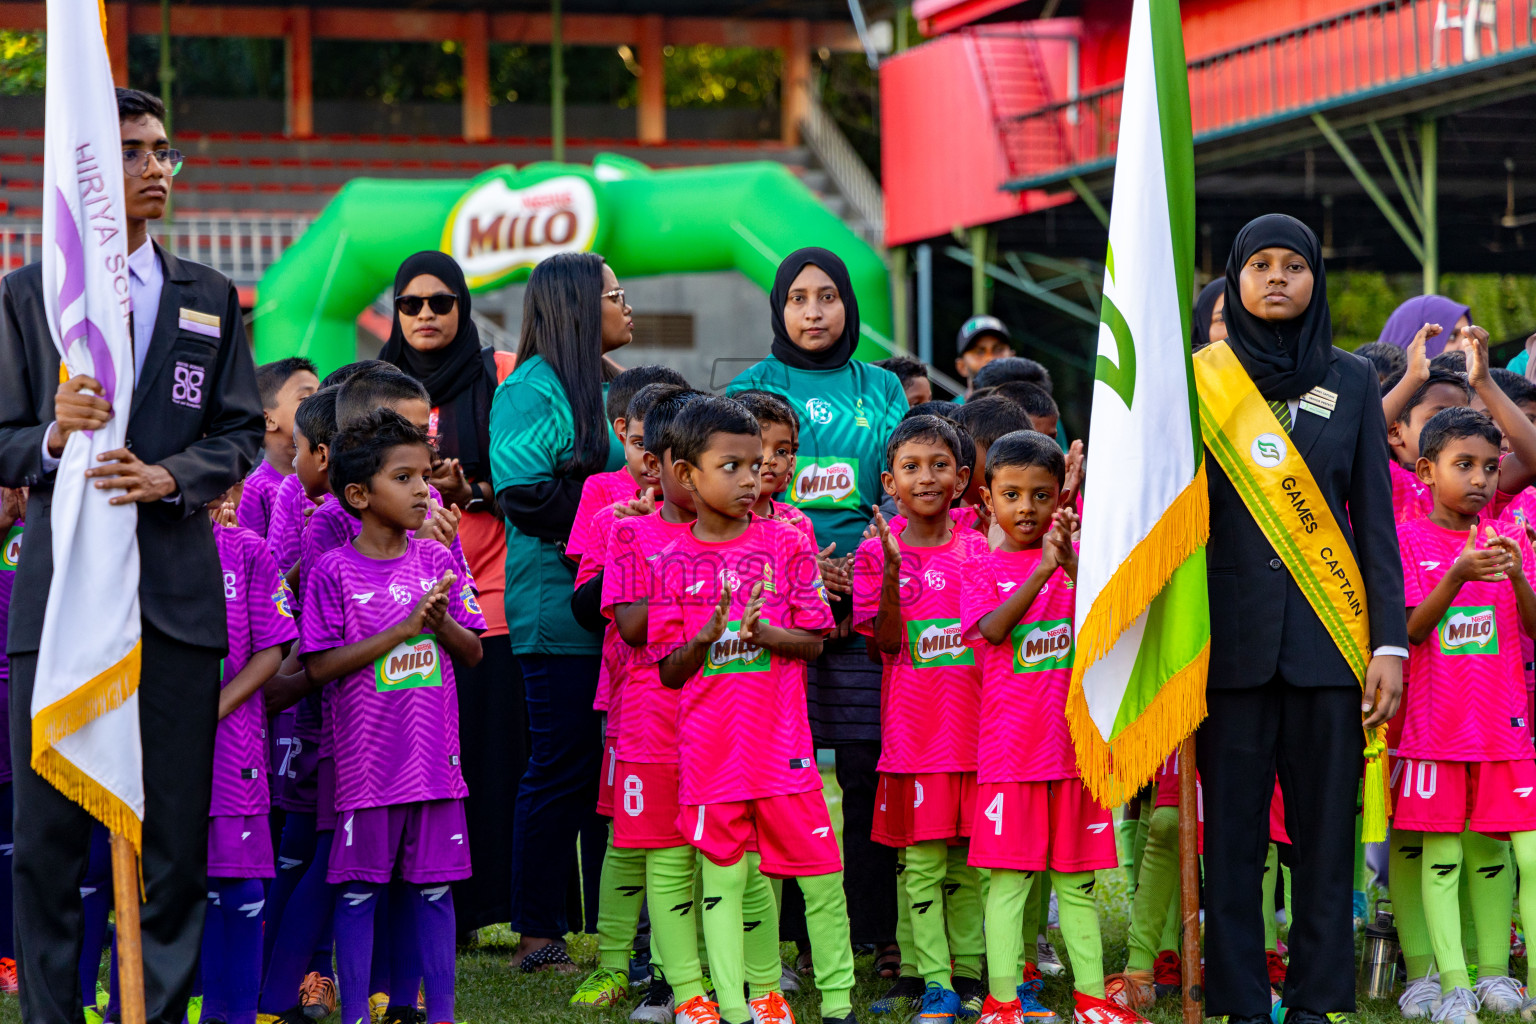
[622, 887]
[669, 878]
[1157, 889]
[1011, 928]
[1490, 887]
[943, 910]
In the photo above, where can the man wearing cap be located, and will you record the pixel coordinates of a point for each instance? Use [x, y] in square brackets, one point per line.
[981, 340]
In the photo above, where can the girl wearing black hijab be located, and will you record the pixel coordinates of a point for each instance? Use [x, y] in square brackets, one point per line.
[1208, 324]
[1280, 695]
[433, 338]
[847, 409]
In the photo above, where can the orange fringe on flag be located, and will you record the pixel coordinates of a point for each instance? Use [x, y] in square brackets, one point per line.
[1115, 770]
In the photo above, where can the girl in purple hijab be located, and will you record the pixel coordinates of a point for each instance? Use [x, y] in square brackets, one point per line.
[1406, 320]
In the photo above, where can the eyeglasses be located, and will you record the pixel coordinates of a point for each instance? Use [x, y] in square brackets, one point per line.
[410, 305]
[617, 295]
[136, 161]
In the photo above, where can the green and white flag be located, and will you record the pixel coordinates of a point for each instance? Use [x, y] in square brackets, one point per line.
[1143, 622]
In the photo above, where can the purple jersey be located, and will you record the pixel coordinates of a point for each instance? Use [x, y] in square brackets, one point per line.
[260, 616]
[331, 526]
[10, 556]
[255, 509]
[286, 523]
[398, 718]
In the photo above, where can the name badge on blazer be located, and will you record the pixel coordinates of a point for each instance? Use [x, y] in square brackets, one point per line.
[205, 324]
[1320, 401]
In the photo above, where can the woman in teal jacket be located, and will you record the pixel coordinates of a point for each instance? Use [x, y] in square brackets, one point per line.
[548, 434]
[847, 410]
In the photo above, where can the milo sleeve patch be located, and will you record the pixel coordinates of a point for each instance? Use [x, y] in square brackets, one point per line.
[938, 643]
[730, 654]
[1042, 646]
[415, 663]
[1469, 630]
[825, 482]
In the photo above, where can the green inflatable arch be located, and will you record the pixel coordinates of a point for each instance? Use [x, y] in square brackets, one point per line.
[745, 217]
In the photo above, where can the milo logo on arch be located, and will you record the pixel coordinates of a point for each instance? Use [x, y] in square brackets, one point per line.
[731, 654]
[1469, 631]
[825, 482]
[938, 643]
[1042, 646]
[414, 663]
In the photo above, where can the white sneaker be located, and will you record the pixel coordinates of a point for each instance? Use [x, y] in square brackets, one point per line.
[1049, 963]
[1421, 997]
[657, 1006]
[770, 1009]
[789, 981]
[1459, 1007]
[1499, 993]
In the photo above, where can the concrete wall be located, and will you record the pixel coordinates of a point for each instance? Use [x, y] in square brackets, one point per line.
[730, 313]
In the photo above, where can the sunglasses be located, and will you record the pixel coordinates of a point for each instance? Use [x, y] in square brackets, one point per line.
[410, 305]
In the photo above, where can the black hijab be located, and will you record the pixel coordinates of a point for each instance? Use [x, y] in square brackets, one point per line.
[456, 375]
[787, 352]
[1205, 308]
[1284, 358]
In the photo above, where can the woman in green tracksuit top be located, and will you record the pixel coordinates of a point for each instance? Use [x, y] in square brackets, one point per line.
[847, 410]
[548, 434]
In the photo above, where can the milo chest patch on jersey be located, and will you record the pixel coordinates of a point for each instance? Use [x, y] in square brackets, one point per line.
[414, 663]
[825, 482]
[10, 553]
[730, 654]
[1042, 646]
[938, 643]
[1469, 630]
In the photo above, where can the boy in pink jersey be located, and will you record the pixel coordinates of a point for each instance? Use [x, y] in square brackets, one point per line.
[261, 627]
[1032, 812]
[1465, 751]
[380, 614]
[738, 602]
[906, 596]
[283, 385]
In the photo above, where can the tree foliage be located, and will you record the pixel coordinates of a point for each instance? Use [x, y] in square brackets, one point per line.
[23, 60]
[1361, 301]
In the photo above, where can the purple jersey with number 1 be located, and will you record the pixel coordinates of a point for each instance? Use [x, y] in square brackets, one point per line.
[396, 719]
[10, 557]
[260, 616]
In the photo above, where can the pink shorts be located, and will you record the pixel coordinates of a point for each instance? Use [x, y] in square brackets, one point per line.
[420, 843]
[605, 779]
[645, 814]
[240, 846]
[1032, 826]
[1497, 797]
[791, 833]
[325, 794]
[914, 808]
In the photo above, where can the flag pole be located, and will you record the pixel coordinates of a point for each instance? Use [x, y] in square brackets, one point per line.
[130, 948]
[1189, 884]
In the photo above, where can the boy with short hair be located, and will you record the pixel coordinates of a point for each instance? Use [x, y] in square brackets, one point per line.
[1465, 752]
[1032, 812]
[906, 596]
[986, 420]
[913, 374]
[261, 628]
[1036, 402]
[283, 384]
[399, 790]
[738, 602]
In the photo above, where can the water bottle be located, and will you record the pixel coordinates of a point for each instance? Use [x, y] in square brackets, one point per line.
[1378, 957]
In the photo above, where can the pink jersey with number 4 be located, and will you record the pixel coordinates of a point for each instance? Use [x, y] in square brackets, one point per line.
[598, 491]
[742, 723]
[396, 720]
[930, 691]
[647, 726]
[1467, 679]
[1024, 681]
[257, 608]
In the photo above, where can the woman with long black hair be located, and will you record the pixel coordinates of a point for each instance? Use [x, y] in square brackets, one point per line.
[433, 338]
[548, 434]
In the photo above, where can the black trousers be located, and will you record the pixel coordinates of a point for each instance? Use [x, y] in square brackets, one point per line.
[178, 713]
[1312, 736]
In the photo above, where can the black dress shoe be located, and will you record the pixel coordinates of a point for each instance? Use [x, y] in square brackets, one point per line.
[1252, 1018]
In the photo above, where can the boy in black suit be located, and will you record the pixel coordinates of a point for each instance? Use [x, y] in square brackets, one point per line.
[195, 427]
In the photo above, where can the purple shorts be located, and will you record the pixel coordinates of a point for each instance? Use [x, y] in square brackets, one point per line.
[418, 843]
[296, 743]
[239, 846]
[325, 795]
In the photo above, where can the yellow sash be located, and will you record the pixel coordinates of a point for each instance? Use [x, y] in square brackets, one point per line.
[1277, 488]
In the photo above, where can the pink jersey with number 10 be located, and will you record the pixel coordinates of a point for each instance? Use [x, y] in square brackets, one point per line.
[742, 723]
[1024, 736]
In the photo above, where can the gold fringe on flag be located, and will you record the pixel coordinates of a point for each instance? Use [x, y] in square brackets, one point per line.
[105, 692]
[1114, 771]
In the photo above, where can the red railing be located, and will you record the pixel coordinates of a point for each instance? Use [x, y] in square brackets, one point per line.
[1385, 46]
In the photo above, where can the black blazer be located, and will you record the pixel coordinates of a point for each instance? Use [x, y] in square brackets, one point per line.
[1261, 624]
[206, 433]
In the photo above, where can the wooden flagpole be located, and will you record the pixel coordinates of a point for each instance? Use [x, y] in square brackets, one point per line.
[130, 948]
[1189, 884]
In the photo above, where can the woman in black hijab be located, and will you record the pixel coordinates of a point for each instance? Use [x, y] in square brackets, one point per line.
[1208, 324]
[1280, 696]
[433, 338]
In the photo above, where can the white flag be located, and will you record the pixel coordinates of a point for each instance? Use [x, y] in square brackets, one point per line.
[85, 707]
